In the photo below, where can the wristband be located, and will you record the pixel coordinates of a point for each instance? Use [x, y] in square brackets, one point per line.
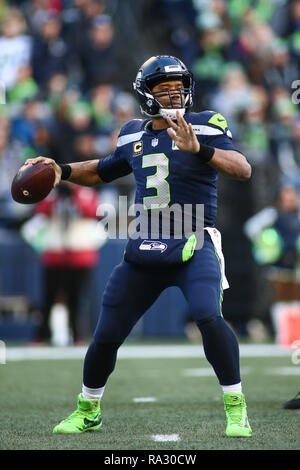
[65, 171]
[205, 153]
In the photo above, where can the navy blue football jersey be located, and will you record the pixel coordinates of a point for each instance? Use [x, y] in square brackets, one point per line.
[164, 174]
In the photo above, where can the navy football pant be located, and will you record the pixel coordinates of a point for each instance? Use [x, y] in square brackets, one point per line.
[132, 289]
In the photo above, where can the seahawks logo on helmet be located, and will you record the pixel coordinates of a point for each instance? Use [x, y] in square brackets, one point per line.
[158, 69]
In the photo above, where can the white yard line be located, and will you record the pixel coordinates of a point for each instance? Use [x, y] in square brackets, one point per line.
[208, 371]
[165, 437]
[138, 352]
[144, 399]
[199, 372]
[293, 370]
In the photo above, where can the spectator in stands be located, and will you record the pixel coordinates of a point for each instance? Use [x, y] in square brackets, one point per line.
[51, 54]
[283, 117]
[35, 12]
[234, 94]
[78, 120]
[253, 129]
[275, 236]
[11, 160]
[15, 47]
[102, 97]
[294, 30]
[283, 69]
[101, 57]
[69, 253]
[124, 108]
[24, 124]
[24, 88]
[209, 64]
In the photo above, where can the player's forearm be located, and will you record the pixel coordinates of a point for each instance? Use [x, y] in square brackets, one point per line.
[85, 173]
[231, 163]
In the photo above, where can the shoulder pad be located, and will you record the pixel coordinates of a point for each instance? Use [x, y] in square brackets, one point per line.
[134, 125]
[131, 132]
[209, 123]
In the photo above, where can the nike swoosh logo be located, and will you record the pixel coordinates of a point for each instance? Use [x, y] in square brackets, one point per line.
[220, 120]
[92, 422]
[246, 425]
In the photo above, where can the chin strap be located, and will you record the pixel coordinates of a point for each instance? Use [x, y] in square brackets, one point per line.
[171, 113]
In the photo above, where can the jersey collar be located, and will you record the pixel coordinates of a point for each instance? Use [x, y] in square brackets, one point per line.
[148, 128]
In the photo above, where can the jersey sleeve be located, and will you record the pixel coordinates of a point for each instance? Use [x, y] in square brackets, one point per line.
[118, 163]
[113, 166]
[218, 134]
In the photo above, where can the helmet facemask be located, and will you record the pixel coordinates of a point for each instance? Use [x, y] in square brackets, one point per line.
[177, 98]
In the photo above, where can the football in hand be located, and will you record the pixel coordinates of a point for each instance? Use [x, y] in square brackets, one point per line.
[33, 184]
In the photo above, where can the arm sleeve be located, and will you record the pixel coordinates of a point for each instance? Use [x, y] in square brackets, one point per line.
[113, 167]
[221, 142]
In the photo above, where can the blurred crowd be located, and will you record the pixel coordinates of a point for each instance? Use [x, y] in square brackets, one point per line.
[63, 72]
[245, 57]
[66, 73]
[67, 67]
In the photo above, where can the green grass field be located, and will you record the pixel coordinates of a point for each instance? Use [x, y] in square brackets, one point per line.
[36, 395]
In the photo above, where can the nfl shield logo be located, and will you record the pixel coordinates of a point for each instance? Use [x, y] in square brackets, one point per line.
[154, 142]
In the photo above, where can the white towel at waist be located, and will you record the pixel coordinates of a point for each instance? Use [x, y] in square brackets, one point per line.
[217, 241]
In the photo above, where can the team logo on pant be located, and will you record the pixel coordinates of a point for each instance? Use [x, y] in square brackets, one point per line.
[150, 245]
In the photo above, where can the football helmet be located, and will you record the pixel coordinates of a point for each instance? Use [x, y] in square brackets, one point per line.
[159, 69]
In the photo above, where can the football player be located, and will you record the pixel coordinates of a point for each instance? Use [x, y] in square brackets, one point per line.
[175, 156]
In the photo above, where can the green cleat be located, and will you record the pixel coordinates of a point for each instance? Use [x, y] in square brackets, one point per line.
[236, 414]
[87, 417]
